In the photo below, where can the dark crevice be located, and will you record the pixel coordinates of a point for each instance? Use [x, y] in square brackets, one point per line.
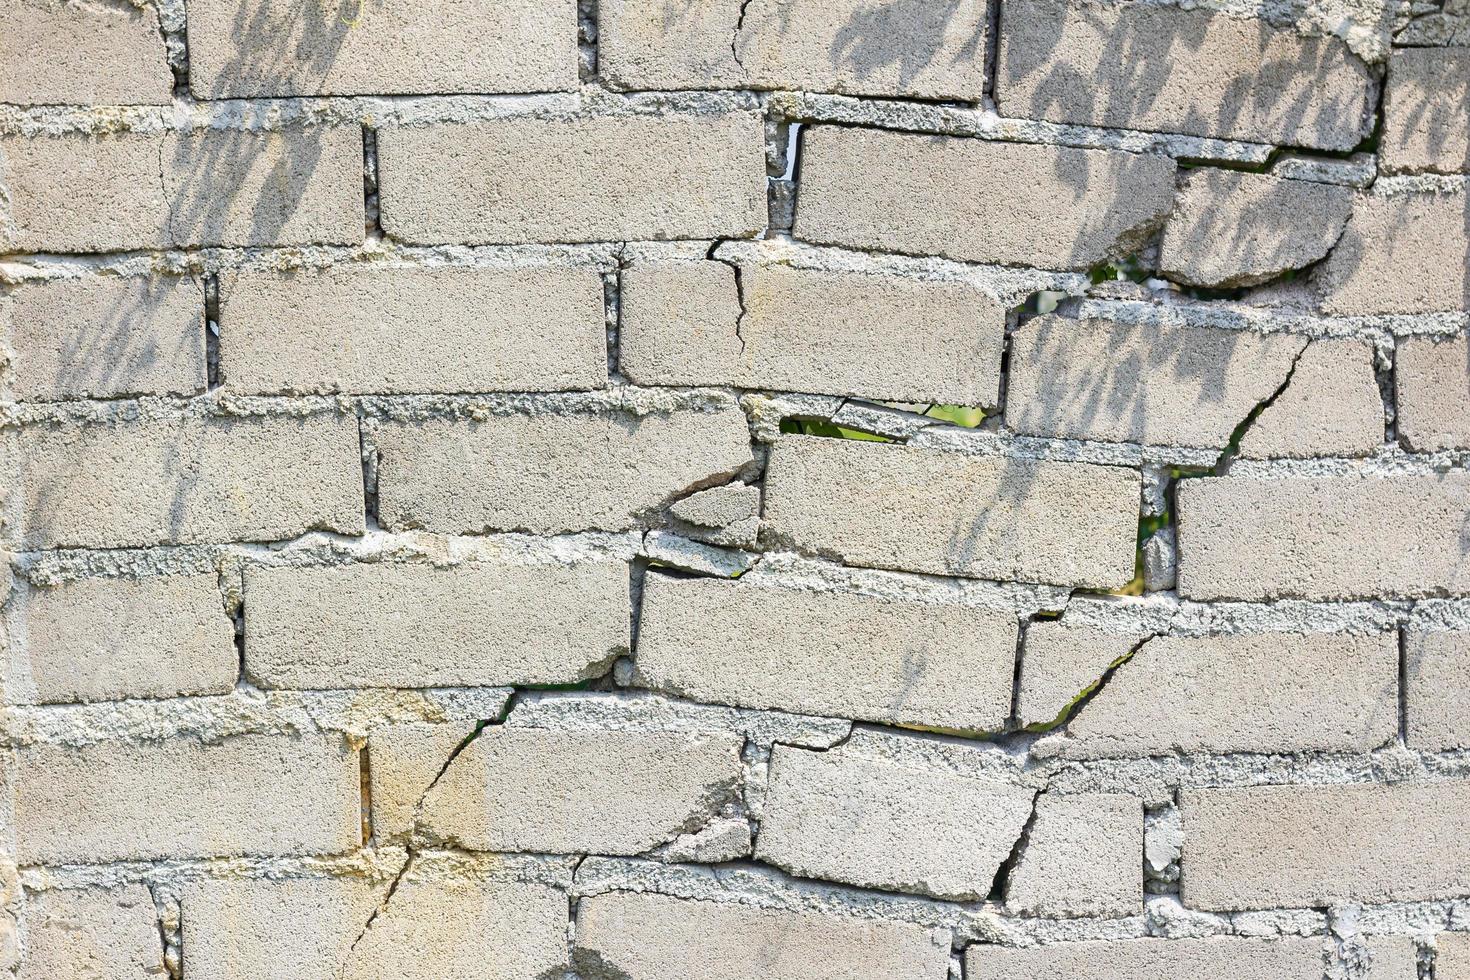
[587, 38]
[237, 618]
[371, 460]
[213, 374]
[1085, 696]
[1014, 721]
[612, 311]
[1232, 446]
[1403, 700]
[1387, 378]
[1002, 881]
[373, 224]
[365, 779]
[992, 51]
[735, 34]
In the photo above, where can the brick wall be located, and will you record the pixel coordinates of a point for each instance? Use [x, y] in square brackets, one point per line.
[799, 489]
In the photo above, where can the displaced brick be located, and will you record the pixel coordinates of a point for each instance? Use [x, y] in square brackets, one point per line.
[1265, 692]
[133, 190]
[1425, 126]
[1082, 857]
[1155, 384]
[1314, 846]
[1217, 958]
[727, 515]
[396, 330]
[1232, 229]
[102, 337]
[575, 792]
[242, 49]
[1432, 393]
[1438, 675]
[597, 179]
[101, 639]
[887, 506]
[1059, 664]
[396, 625]
[111, 934]
[879, 823]
[1452, 959]
[178, 798]
[932, 51]
[548, 473]
[976, 200]
[1331, 407]
[874, 334]
[1181, 71]
[1322, 537]
[184, 480]
[82, 54]
[1401, 253]
[939, 666]
[653, 937]
[404, 760]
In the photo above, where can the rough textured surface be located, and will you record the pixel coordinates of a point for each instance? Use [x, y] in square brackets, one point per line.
[1139, 959]
[1401, 253]
[1432, 393]
[88, 54]
[92, 934]
[1424, 121]
[407, 759]
[1060, 662]
[1081, 857]
[1453, 959]
[1436, 676]
[1331, 407]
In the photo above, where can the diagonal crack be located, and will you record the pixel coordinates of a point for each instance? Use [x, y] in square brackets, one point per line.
[1232, 447]
[735, 34]
[1007, 867]
[1093, 689]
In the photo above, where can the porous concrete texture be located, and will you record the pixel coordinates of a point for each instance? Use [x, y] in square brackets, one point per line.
[1432, 392]
[83, 54]
[1080, 857]
[1331, 406]
[1436, 673]
[1452, 958]
[1424, 122]
[1217, 958]
[1400, 253]
[92, 933]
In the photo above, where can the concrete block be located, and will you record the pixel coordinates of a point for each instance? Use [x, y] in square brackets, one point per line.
[976, 200]
[101, 639]
[641, 936]
[395, 625]
[1424, 120]
[183, 480]
[578, 792]
[177, 798]
[1332, 407]
[244, 49]
[878, 823]
[680, 323]
[937, 666]
[83, 54]
[1153, 384]
[1452, 959]
[888, 506]
[395, 330]
[1322, 537]
[548, 473]
[1060, 663]
[1438, 674]
[1232, 229]
[92, 934]
[1216, 958]
[1391, 958]
[1401, 253]
[104, 337]
[611, 178]
[1083, 856]
[1196, 72]
[728, 514]
[1432, 393]
[1313, 846]
[405, 760]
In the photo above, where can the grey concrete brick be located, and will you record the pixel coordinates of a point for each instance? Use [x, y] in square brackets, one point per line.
[405, 759]
[734, 508]
[1147, 383]
[925, 51]
[184, 480]
[550, 473]
[599, 179]
[879, 823]
[938, 666]
[1083, 856]
[392, 625]
[242, 49]
[101, 933]
[1452, 959]
[1234, 229]
[136, 190]
[1322, 537]
[178, 798]
[1312, 846]
[923, 510]
[1332, 407]
[1424, 119]
[371, 329]
[578, 792]
[1438, 674]
[1432, 393]
[97, 337]
[1401, 253]
[82, 54]
[1061, 662]
[1181, 71]
[106, 638]
[818, 331]
[1266, 692]
[1217, 958]
[654, 937]
[1391, 958]
[978, 201]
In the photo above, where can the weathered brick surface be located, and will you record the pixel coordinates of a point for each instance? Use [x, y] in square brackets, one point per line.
[87, 54]
[550, 473]
[941, 666]
[1322, 537]
[1218, 958]
[1081, 857]
[1061, 662]
[107, 638]
[952, 514]
[254, 794]
[650, 937]
[1183, 71]
[1308, 846]
[388, 625]
[183, 480]
[1401, 253]
[406, 759]
[99, 933]
[241, 49]
[598, 179]
[1332, 407]
[1432, 393]
[1452, 958]
[1424, 121]
[978, 201]
[537, 328]
[1436, 678]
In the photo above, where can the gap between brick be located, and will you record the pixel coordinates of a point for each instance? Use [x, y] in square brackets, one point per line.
[1002, 882]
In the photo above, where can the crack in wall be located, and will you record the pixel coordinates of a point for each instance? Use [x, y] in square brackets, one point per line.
[1002, 881]
[735, 34]
[1241, 430]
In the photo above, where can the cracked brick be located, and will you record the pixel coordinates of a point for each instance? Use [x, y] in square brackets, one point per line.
[1080, 858]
